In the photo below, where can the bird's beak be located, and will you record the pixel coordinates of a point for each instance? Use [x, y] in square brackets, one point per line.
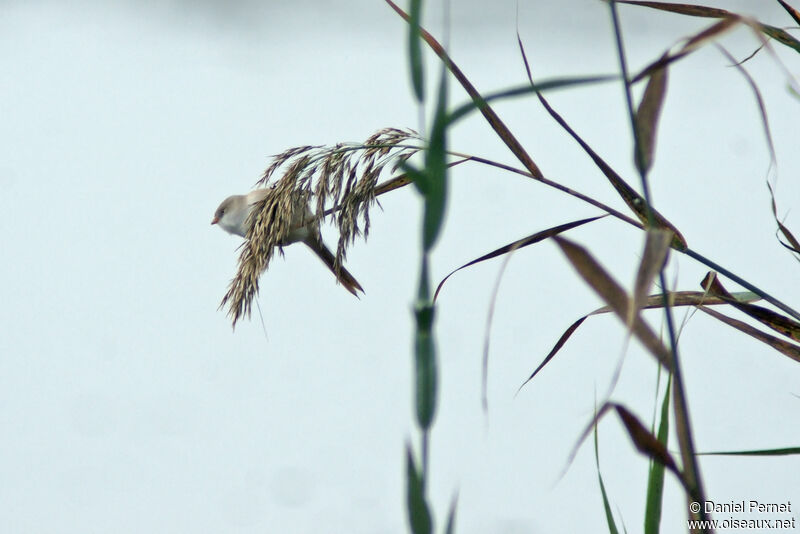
[215, 220]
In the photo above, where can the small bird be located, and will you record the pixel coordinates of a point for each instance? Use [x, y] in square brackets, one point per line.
[233, 217]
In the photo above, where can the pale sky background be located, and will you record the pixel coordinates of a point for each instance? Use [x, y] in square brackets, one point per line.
[127, 403]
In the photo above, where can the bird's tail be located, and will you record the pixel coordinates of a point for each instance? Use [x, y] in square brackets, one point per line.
[343, 276]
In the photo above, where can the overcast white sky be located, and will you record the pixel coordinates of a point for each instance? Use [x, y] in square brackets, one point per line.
[128, 405]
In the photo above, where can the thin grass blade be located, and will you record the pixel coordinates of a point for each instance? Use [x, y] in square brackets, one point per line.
[610, 291]
[759, 101]
[787, 451]
[683, 9]
[793, 243]
[678, 298]
[547, 85]
[656, 248]
[560, 343]
[628, 194]
[491, 117]
[711, 12]
[646, 442]
[789, 349]
[520, 243]
[612, 526]
[780, 323]
[487, 337]
[647, 115]
[782, 36]
[655, 478]
[588, 429]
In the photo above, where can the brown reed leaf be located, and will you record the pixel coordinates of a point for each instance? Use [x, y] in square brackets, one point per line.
[644, 441]
[676, 298]
[629, 195]
[488, 113]
[789, 349]
[648, 113]
[792, 11]
[650, 446]
[692, 43]
[520, 243]
[793, 243]
[615, 296]
[683, 9]
[778, 34]
[779, 323]
[656, 249]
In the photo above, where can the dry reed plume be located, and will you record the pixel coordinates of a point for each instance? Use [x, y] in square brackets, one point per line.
[339, 182]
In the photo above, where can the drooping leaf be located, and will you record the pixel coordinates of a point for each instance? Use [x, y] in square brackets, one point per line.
[678, 298]
[789, 349]
[518, 244]
[782, 36]
[610, 291]
[588, 429]
[683, 9]
[710, 12]
[780, 323]
[741, 281]
[656, 248]
[507, 249]
[759, 101]
[628, 194]
[650, 446]
[491, 117]
[793, 243]
[645, 442]
[647, 115]
[558, 83]
[560, 343]
[487, 336]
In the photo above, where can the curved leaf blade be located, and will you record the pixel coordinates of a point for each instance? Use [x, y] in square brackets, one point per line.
[647, 115]
[610, 291]
[779, 323]
[518, 244]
